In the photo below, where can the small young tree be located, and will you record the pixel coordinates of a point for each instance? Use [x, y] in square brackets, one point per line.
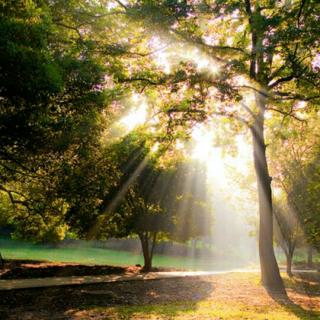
[147, 220]
[148, 200]
[288, 233]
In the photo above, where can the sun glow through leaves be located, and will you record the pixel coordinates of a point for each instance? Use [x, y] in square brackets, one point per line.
[137, 114]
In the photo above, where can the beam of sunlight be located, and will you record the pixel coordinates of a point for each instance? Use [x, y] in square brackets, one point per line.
[234, 205]
[205, 152]
[120, 195]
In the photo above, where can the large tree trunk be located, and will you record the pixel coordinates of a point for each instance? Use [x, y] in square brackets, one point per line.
[270, 274]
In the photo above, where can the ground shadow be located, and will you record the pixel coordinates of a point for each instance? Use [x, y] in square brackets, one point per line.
[295, 308]
[302, 283]
[63, 302]
[305, 283]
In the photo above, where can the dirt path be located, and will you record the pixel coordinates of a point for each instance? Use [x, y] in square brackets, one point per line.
[13, 284]
[74, 280]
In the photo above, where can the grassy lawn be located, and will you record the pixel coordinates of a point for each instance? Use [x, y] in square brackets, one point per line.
[210, 310]
[13, 249]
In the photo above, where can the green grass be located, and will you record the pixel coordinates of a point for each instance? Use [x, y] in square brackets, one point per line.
[209, 310]
[13, 249]
[300, 256]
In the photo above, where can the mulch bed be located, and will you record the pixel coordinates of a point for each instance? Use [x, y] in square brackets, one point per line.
[27, 269]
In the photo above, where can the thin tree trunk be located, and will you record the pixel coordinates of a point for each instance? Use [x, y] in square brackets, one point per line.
[289, 257]
[1, 262]
[146, 253]
[270, 274]
[309, 261]
[153, 244]
[147, 264]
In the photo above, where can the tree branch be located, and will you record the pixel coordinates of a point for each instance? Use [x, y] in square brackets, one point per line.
[149, 81]
[9, 157]
[300, 11]
[288, 96]
[212, 49]
[281, 80]
[254, 116]
[286, 114]
[13, 200]
[262, 92]
[233, 116]
[122, 4]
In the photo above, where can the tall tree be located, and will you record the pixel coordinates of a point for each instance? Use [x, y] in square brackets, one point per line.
[265, 59]
[294, 163]
[53, 107]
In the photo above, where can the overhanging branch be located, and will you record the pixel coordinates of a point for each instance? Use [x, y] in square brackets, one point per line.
[286, 114]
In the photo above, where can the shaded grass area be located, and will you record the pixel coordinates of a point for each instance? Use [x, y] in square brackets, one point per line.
[212, 310]
[13, 249]
[230, 297]
[304, 283]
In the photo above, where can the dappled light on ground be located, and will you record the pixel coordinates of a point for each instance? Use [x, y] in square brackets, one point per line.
[230, 297]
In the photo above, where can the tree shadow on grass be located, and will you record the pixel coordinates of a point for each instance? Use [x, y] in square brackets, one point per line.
[304, 284]
[67, 302]
[295, 308]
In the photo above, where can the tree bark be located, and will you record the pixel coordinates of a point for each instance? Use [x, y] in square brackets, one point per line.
[147, 257]
[1, 262]
[270, 274]
[289, 257]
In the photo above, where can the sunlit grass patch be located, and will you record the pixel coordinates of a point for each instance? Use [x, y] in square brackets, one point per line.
[227, 310]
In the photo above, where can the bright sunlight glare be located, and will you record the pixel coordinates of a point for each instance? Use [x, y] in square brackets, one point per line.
[209, 155]
[212, 157]
[167, 56]
[137, 115]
